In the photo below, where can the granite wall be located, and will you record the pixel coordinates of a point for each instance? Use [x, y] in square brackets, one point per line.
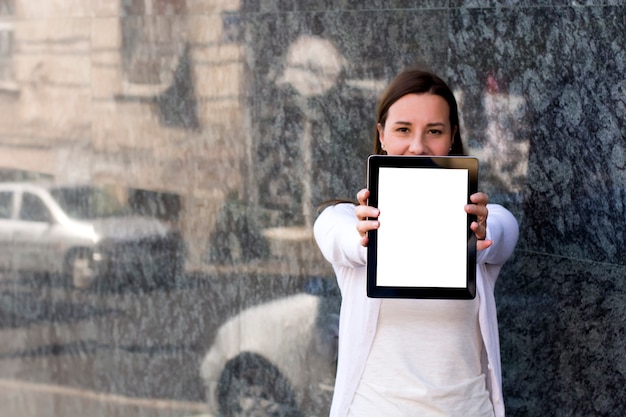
[227, 123]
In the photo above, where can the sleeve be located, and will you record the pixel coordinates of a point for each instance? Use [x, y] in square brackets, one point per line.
[337, 237]
[503, 229]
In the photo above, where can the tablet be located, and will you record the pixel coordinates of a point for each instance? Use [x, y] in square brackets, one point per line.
[424, 247]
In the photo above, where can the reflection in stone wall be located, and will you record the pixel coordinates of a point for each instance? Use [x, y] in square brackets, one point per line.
[230, 122]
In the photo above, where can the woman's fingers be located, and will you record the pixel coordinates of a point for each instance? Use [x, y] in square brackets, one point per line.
[483, 244]
[479, 198]
[366, 216]
[480, 210]
[362, 196]
[365, 212]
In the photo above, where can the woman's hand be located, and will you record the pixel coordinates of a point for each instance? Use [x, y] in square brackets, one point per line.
[479, 227]
[362, 212]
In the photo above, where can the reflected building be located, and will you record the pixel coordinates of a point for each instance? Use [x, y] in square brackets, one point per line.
[140, 93]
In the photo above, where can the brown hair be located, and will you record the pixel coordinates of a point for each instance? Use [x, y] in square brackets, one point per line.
[417, 81]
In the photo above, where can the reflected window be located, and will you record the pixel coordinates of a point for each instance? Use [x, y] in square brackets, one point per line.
[89, 202]
[6, 41]
[153, 39]
[164, 206]
[33, 209]
[6, 205]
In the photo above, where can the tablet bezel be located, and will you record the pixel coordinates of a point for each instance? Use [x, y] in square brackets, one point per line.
[375, 162]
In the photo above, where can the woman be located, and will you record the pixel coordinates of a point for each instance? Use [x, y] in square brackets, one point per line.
[408, 357]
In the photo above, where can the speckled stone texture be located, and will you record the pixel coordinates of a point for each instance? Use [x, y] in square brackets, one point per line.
[542, 88]
[263, 109]
[562, 297]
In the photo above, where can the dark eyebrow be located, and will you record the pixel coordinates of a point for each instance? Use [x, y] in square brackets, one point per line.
[428, 125]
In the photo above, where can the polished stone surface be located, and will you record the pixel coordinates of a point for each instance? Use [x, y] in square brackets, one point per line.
[229, 122]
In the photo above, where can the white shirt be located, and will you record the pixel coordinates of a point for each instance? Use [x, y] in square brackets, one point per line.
[425, 361]
[336, 235]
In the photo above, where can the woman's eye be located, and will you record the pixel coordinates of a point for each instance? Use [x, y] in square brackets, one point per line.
[402, 129]
[435, 132]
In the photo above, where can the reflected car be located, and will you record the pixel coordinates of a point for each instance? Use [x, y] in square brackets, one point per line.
[274, 359]
[84, 233]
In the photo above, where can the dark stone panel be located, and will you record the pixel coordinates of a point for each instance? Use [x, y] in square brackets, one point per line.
[560, 299]
[530, 3]
[562, 333]
[574, 196]
[558, 102]
[281, 6]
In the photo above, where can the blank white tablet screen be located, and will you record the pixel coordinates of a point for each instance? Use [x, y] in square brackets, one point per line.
[422, 238]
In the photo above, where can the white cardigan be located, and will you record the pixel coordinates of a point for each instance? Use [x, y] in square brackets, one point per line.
[336, 235]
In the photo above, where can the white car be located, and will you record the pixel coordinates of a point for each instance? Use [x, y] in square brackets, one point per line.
[82, 232]
[274, 359]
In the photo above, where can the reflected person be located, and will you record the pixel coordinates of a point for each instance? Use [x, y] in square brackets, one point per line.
[416, 357]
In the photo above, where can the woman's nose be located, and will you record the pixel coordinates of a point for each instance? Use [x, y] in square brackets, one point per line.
[416, 147]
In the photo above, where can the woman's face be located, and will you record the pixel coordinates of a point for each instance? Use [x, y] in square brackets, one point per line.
[418, 124]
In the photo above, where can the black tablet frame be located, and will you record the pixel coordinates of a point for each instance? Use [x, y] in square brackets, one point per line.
[375, 162]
